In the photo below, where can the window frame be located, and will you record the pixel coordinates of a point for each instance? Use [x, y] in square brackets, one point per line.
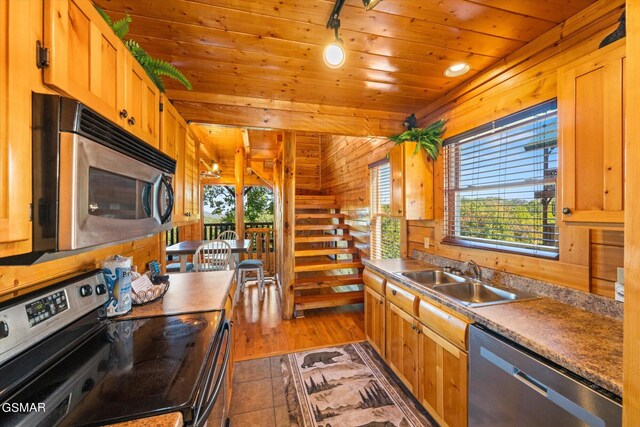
[450, 196]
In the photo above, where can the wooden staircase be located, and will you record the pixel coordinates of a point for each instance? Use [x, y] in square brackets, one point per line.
[327, 264]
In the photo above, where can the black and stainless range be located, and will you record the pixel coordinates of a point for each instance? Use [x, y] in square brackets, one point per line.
[62, 363]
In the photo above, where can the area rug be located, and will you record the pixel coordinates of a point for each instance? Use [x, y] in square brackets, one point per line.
[346, 386]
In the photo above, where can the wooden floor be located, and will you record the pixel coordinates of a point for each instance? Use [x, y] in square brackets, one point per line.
[260, 330]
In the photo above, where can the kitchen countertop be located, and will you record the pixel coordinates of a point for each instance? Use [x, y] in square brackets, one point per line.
[173, 419]
[189, 292]
[584, 343]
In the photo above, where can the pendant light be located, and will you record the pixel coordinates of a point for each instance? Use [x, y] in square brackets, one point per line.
[334, 55]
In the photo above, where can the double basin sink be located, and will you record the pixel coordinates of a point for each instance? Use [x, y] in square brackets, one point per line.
[468, 292]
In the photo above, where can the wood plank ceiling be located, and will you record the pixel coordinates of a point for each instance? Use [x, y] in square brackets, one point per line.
[259, 62]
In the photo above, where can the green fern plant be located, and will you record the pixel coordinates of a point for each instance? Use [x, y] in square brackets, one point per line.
[428, 138]
[155, 68]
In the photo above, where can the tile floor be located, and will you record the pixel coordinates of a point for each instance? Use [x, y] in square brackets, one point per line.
[258, 398]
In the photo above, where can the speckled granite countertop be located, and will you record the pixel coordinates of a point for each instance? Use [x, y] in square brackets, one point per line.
[585, 343]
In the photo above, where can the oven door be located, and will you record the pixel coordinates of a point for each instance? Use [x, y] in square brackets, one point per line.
[106, 196]
[211, 408]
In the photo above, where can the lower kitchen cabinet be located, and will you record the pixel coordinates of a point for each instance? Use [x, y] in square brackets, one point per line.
[401, 336]
[442, 379]
[374, 319]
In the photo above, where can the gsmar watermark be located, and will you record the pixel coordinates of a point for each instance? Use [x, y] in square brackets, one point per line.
[23, 407]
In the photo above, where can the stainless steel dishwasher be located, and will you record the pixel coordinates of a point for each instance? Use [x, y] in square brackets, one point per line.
[509, 386]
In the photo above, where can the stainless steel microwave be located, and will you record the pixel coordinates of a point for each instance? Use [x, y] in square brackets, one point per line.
[94, 184]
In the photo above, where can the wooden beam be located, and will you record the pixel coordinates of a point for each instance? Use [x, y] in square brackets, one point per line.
[277, 220]
[239, 183]
[286, 120]
[631, 360]
[288, 219]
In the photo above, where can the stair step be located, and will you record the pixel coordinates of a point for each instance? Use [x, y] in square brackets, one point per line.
[320, 227]
[327, 281]
[307, 302]
[326, 265]
[317, 206]
[325, 238]
[320, 216]
[325, 251]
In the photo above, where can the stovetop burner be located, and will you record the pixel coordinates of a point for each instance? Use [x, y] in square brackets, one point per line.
[182, 328]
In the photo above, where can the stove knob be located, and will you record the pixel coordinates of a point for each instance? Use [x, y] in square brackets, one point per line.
[4, 330]
[101, 289]
[86, 290]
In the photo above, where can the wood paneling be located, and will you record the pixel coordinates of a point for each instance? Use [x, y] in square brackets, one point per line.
[307, 162]
[521, 80]
[631, 369]
[607, 254]
[21, 279]
[268, 49]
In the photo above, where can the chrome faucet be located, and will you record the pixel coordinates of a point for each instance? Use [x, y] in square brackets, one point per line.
[477, 273]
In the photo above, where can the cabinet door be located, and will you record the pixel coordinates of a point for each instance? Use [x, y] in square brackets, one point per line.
[16, 58]
[402, 346]
[191, 183]
[396, 161]
[173, 133]
[86, 57]
[418, 183]
[591, 129]
[142, 102]
[374, 319]
[442, 384]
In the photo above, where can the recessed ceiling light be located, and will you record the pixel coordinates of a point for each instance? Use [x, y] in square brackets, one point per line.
[334, 55]
[457, 70]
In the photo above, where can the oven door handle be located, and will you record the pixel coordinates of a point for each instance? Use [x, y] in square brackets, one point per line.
[165, 216]
[204, 411]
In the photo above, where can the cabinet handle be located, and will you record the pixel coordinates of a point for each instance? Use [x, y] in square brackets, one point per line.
[394, 292]
[380, 302]
[566, 211]
[132, 121]
[413, 327]
[124, 114]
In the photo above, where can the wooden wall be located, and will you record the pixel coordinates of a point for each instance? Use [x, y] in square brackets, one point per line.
[345, 174]
[307, 163]
[523, 79]
[18, 280]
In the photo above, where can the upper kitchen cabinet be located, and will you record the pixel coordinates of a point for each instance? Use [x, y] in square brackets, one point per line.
[16, 56]
[141, 103]
[88, 62]
[191, 178]
[591, 120]
[411, 182]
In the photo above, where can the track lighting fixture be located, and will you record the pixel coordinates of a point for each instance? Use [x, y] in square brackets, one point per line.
[334, 54]
[370, 4]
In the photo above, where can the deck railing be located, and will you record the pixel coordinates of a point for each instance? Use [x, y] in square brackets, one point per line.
[212, 230]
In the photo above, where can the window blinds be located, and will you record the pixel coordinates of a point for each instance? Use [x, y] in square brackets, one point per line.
[385, 231]
[500, 184]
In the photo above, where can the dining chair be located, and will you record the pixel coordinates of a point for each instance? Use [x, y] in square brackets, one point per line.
[213, 255]
[262, 239]
[228, 235]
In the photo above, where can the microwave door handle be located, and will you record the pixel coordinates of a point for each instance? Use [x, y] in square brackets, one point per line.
[164, 217]
[205, 411]
[146, 199]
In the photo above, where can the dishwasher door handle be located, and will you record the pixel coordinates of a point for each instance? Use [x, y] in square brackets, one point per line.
[530, 382]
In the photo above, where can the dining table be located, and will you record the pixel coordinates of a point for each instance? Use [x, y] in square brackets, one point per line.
[188, 247]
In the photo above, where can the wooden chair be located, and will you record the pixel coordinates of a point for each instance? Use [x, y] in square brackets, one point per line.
[228, 235]
[258, 262]
[214, 255]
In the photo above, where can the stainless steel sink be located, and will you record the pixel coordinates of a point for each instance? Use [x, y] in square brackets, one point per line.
[431, 277]
[475, 294]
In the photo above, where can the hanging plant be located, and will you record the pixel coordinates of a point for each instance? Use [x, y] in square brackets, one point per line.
[155, 68]
[429, 138]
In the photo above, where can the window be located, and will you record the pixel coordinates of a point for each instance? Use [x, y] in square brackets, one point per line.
[500, 184]
[385, 230]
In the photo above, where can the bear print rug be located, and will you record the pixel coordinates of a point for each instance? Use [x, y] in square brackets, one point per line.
[346, 386]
